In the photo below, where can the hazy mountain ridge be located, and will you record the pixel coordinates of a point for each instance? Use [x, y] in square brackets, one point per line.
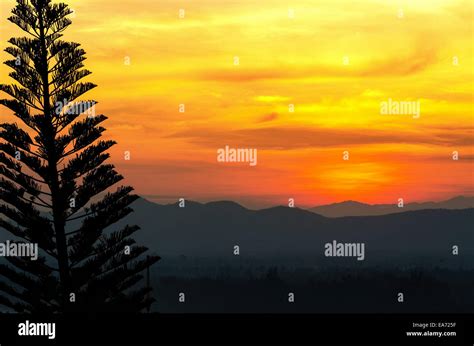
[345, 208]
[213, 229]
[353, 208]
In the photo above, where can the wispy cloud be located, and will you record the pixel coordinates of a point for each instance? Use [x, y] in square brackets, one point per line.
[278, 138]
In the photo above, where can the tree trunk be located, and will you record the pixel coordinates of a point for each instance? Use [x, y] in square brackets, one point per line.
[58, 204]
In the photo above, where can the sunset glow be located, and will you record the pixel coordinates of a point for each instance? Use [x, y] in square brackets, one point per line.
[237, 66]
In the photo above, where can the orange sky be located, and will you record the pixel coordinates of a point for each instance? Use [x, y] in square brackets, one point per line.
[336, 61]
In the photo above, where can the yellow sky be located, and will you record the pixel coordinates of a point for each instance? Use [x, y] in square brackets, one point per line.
[335, 61]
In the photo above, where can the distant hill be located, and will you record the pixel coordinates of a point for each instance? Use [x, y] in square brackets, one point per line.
[352, 208]
[212, 230]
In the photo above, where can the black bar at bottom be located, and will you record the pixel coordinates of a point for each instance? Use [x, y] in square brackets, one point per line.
[350, 329]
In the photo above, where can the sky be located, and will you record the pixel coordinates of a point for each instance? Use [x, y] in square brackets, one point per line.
[237, 66]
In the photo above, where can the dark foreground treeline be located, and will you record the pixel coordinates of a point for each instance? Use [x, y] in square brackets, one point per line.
[266, 288]
[334, 290]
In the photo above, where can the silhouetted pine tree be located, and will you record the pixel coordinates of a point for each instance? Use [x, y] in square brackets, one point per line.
[55, 188]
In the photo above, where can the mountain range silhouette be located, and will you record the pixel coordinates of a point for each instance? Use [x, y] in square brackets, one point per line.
[213, 229]
[353, 208]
